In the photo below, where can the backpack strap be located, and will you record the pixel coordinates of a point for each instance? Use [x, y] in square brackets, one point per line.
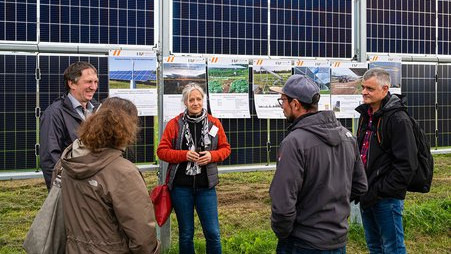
[382, 125]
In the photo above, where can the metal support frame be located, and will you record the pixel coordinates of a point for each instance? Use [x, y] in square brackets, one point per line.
[163, 46]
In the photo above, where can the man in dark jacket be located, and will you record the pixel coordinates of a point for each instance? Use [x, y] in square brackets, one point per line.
[60, 121]
[389, 154]
[319, 172]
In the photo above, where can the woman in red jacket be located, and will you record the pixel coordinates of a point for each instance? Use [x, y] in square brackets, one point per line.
[192, 143]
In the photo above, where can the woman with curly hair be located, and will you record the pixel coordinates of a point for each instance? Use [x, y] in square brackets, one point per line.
[105, 200]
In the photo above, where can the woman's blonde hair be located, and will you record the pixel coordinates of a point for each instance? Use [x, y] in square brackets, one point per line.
[114, 125]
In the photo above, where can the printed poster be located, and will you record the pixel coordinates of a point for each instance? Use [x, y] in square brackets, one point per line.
[393, 66]
[268, 73]
[319, 72]
[132, 76]
[345, 86]
[228, 87]
[178, 71]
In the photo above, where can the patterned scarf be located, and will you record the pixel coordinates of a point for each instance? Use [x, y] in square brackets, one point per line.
[192, 168]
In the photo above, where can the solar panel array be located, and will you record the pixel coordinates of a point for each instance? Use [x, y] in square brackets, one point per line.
[17, 116]
[128, 22]
[143, 75]
[18, 20]
[297, 28]
[220, 27]
[316, 28]
[444, 27]
[402, 26]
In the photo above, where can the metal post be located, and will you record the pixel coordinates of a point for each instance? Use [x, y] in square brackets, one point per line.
[163, 48]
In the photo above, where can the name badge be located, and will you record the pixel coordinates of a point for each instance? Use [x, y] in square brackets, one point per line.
[213, 131]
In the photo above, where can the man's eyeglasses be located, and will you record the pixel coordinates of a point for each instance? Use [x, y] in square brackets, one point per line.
[280, 100]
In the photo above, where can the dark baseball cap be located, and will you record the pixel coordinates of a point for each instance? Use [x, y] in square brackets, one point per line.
[298, 87]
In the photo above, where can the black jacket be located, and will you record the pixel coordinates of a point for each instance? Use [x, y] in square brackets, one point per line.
[58, 129]
[319, 171]
[392, 163]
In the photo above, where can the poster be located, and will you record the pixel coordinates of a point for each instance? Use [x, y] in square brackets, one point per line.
[268, 73]
[393, 66]
[178, 71]
[345, 87]
[132, 76]
[319, 72]
[228, 87]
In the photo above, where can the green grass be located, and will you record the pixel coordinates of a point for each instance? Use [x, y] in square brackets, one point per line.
[244, 210]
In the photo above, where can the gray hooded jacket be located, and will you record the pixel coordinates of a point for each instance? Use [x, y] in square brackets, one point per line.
[319, 171]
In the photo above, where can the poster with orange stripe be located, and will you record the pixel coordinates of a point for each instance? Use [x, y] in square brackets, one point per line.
[345, 86]
[228, 87]
[392, 64]
[132, 75]
[319, 72]
[178, 71]
[266, 74]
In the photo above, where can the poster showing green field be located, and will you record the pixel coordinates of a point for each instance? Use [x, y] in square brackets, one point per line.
[392, 65]
[346, 87]
[132, 76]
[178, 71]
[269, 73]
[319, 72]
[228, 87]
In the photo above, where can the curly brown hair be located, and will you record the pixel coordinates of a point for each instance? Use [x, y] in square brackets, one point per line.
[114, 125]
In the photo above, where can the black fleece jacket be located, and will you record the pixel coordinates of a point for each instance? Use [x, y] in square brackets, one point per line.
[392, 163]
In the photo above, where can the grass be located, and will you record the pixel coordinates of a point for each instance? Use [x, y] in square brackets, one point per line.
[244, 210]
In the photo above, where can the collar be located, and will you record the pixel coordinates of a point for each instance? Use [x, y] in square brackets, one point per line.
[75, 103]
[299, 119]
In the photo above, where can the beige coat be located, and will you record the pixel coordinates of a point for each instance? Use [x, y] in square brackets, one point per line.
[106, 204]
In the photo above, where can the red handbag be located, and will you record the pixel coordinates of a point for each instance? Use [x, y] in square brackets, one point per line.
[161, 199]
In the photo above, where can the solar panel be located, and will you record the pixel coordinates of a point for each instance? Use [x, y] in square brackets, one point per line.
[418, 84]
[406, 26]
[220, 27]
[444, 104]
[18, 20]
[444, 27]
[109, 22]
[17, 116]
[311, 28]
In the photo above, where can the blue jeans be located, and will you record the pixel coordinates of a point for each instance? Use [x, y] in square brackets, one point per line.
[206, 203]
[292, 245]
[382, 223]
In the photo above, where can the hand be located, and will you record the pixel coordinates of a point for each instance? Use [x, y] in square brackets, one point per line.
[192, 156]
[205, 158]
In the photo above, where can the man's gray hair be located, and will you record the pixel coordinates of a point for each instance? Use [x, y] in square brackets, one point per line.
[382, 76]
[189, 88]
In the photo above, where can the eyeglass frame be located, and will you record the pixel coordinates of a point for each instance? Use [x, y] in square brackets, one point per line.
[280, 100]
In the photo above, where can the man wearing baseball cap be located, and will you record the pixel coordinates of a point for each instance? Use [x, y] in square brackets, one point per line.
[319, 172]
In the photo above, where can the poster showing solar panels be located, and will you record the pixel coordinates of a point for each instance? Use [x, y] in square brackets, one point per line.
[228, 87]
[319, 72]
[178, 71]
[345, 86]
[268, 73]
[132, 76]
[393, 66]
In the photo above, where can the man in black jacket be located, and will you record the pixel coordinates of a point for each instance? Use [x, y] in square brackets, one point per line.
[319, 172]
[389, 153]
[60, 121]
